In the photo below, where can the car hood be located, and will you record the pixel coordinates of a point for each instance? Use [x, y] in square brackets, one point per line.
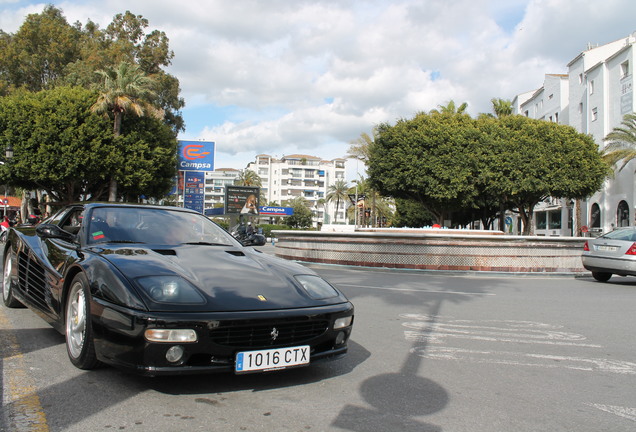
[230, 278]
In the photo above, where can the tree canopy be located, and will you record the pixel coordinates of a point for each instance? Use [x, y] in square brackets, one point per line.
[454, 165]
[61, 147]
[47, 51]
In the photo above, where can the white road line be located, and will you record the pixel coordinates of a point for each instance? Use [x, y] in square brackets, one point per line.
[423, 291]
[436, 338]
[628, 413]
[526, 359]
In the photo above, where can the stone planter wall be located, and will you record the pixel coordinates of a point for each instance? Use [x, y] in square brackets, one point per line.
[434, 250]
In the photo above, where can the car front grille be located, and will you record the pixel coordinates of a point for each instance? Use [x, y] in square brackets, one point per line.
[270, 334]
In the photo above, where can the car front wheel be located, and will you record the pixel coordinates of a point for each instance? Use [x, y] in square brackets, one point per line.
[601, 276]
[7, 282]
[79, 334]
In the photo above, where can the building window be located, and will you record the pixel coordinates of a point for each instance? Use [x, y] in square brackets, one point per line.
[595, 216]
[592, 87]
[541, 220]
[580, 78]
[594, 114]
[551, 96]
[555, 219]
[624, 69]
[622, 214]
[556, 117]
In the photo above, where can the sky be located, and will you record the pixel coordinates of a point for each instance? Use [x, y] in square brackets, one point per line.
[284, 77]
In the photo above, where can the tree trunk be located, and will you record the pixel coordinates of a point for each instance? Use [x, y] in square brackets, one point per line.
[112, 190]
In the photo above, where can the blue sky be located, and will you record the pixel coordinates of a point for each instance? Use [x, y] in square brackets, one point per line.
[309, 76]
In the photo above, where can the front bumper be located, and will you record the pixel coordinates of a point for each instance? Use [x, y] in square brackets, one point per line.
[120, 342]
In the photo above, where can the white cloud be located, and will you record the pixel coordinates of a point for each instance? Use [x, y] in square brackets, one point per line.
[309, 76]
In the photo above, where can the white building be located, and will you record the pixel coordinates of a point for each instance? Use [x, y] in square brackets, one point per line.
[215, 183]
[301, 175]
[593, 98]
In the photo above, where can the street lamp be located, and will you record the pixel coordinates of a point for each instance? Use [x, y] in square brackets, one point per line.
[8, 153]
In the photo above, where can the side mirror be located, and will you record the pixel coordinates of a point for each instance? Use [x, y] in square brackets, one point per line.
[53, 231]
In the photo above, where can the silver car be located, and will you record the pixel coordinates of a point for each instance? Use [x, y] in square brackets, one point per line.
[611, 253]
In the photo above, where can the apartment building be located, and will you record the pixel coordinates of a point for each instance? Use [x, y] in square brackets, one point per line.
[215, 183]
[300, 175]
[592, 97]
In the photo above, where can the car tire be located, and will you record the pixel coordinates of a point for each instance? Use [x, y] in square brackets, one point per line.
[7, 281]
[601, 276]
[79, 333]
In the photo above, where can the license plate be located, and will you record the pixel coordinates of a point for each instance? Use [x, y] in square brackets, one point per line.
[271, 359]
[606, 248]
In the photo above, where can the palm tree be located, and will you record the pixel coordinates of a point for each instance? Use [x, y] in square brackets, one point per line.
[501, 107]
[450, 108]
[248, 177]
[622, 142]
[124, 89]
[337, 192]
[359, 148]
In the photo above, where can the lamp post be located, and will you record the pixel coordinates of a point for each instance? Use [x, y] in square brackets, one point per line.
[8, 154]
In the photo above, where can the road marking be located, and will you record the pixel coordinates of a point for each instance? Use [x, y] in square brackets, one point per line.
[628, 413]
[433, 331]
[20, 401]
[526, 359]
[423, 291]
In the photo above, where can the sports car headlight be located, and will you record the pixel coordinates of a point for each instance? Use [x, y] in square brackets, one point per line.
[170, 289]
[316, 287]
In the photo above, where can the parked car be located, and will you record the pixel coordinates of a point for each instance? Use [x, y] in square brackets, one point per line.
[164, 290]
[611, 253]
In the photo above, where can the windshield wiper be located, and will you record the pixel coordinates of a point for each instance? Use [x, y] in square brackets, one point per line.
[125, 241]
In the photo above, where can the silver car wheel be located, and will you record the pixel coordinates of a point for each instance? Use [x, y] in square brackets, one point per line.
[76, 320]
[6, 279]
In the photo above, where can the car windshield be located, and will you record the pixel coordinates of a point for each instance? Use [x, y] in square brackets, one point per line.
[627, 234]
[153, 226]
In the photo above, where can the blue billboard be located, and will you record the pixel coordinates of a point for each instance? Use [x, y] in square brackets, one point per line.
[196, 155]
[194, 191]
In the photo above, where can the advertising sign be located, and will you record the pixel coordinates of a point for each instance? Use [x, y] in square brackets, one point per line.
[241, 200]
[276, 211]
[194, 190]
[196, 155]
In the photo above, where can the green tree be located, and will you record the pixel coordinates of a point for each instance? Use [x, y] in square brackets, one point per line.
[61, 147]
[248, 177]
[429, 159]
[47, 51]
[359, 148]
[621, 142]
[529, 160]
[302, 217]
[337, 192]
[124, 90]
[36, 56]
[450, 108]
[457, 165]
[501, 107]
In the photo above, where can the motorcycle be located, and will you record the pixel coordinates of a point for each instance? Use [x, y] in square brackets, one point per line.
[248, 239]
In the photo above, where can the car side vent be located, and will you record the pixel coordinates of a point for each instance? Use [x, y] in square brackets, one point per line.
[170, 252]
[235, 252]
[33, 279]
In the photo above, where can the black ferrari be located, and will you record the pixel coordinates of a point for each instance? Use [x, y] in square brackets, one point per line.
[164, 290]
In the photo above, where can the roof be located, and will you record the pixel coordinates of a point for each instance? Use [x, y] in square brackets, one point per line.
[300, 156]
[12, 201]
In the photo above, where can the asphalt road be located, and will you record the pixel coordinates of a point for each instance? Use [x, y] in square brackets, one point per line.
[429, 352]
